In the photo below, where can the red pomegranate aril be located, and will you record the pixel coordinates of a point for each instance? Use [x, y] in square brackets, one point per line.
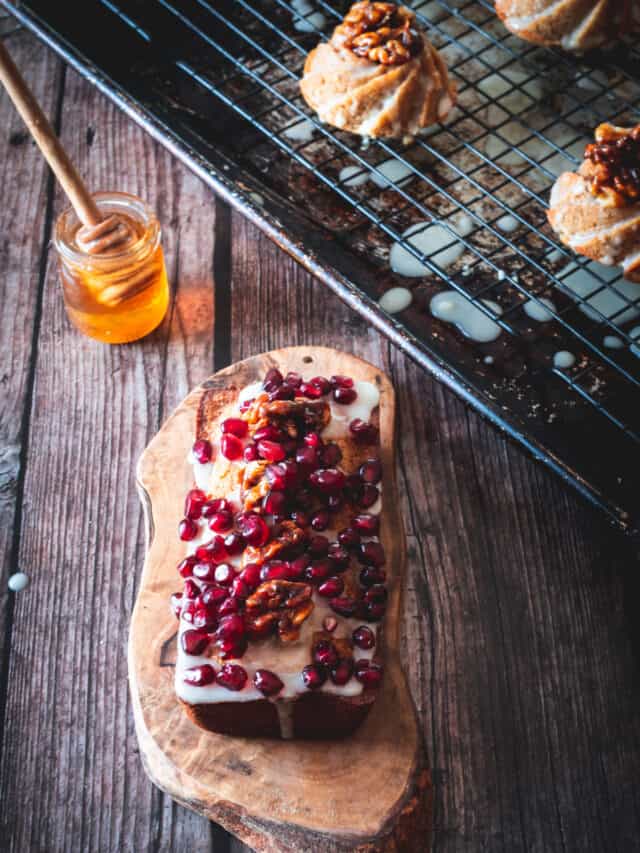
[187, 530]
[341, 382]
[368, 496]
[320, 520]
[193, 504]
[200, 676]
[339, 557]
[239, 588]
[325, 653]
[297, 567]
[228, 607]
[349, 538]
[231, 447]
[301, 518]
[253, 528]
[376, 593]
[345, 396]
[284, 392]
[335, 503]
[322, 383]
[293, 379]
[251, 575]
[343, 605]
[371, 553]
[363, 432]
[232, 648]
[250, 453]
[205, 618]
[375, 611]
[368, 673]
[368, 525]
[342, 672]
[331, 455]
[319, 570]
[188, 610]
[223, 574]
[318, 546]
[232, 676]
[371, 471]
[214, 551]
[331, 588]
[371, 575]
[205, 571]
[313, 392]
[176, 604]
[216, 505]
[245, 405]
[272, 380]
[234, 544]
[202, 451]
[314, 676]
[231, 628]
[329, 480]
[191, 589]
[270, 432]
[330, 623]
[274, 503]
[312, 439]
[214, 595]
[276, 476]
[194, 642]
[303, 498]
[307, 458]
[235, 426]
[185, 567]
[270, 450]
[221, 522]
[275, 570]
[267, 682]
[290, 472]
[363, 637]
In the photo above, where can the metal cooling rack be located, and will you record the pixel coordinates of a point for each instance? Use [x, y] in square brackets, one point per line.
[218, 83]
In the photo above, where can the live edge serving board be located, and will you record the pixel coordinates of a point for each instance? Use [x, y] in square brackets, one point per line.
[369, 792]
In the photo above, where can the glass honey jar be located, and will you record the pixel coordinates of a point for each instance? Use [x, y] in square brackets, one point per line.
[120, 294]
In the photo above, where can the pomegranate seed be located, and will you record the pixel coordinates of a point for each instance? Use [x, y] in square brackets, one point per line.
[205, 618]
[293, 379]
[267, 682]
[228, 607]
[371, 553]
[307, 458]
[250, 453]
[276, 476]
[313, 392]
[234, 544]
[319, 570]
[205, 571]
[375, 611]
[363, 637]
[188, 611]
[232, 676]
[301, 518]
[246, 405]
[270, 450]
[303, 498]
[202, 451]
[371, 574]
[331, 588]
[371, 471]
[343, 605]
[335, 503]
[327, 479]
[216, 505]
[367, 524]
[330, 623]
[368, 496]
[191, 589]
[186, 566]
[312, 439]
[341, 382]
[322, 383]
[239, 589]
[224, 574]
[176, 604]
[275, 570]
[231, 628]
[376, 593]
[187, 530]
[272, 380]
[251, 575]
[253, 528]
[349, 538]
[314, 676]
[214, 595]
[325, 653]
[345, 396]
[213, 552]
[194, 642]
[331, 455]
[221, 521]
[320, 520]
[232, 648]
[297, 567]
[270, 433]
[290, 471]
[236, 426]
[318, 546]
[363, 432]
[200, 676]
[231, 447]
[342, 672]
[368, 673]
[274, 503]
[284, 392]
[339, 557]
[193, 503]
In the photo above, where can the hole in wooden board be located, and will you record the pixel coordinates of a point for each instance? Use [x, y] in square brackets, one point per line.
[307, 359]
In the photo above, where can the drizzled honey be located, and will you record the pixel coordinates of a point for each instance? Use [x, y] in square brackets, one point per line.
[118, 293]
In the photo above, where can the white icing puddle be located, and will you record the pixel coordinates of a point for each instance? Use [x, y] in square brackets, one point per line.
[396, 299]
[615, 297]
[564, 359]
[310, 20]
[452, 307]
[18, 582]
[433, 240]
[507, 223]
[353, 176]
[341, 416]
[613, 342]
[392, 172]
[301, 131]
[541, 313]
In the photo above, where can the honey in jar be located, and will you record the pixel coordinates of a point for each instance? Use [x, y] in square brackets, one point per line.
[120, 293]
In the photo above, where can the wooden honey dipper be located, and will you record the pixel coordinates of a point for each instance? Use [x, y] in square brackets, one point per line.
[98, 234]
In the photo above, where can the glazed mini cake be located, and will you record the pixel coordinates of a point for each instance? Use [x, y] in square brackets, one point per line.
[284, 577]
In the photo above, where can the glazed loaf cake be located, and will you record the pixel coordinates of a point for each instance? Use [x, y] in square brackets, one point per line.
[284, 586]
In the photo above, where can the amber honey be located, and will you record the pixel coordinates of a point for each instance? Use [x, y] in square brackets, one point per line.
[122, 294]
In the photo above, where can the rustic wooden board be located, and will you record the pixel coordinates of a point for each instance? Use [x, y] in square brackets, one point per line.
[271, 793]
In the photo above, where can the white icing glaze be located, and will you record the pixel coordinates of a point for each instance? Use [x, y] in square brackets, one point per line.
[452, 307]
[301, 131]
[353, 176]
[507, 223]
[18, 582]
[434, 241]
[362, 407]
[564, 359]
[396, 299]
[541, 313]
[613, 342]
[392, 172]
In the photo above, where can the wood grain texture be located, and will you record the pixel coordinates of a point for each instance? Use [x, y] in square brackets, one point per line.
[273, 794]
[521, 632]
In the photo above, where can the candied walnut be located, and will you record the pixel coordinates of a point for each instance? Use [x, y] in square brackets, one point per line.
[289, 414]
[380, 32]
[615, 156]
[289, 534]
[342, 645]
[280, 606]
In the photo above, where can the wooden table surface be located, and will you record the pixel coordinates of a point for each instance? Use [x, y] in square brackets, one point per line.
[521, 624]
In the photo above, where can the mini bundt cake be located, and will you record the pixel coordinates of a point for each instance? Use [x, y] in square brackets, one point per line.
[571, 24]
[378, 76]
[596, 210]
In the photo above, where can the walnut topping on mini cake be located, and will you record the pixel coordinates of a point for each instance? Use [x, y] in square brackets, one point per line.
[284, 586]
[380, 32]
[615, 156]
